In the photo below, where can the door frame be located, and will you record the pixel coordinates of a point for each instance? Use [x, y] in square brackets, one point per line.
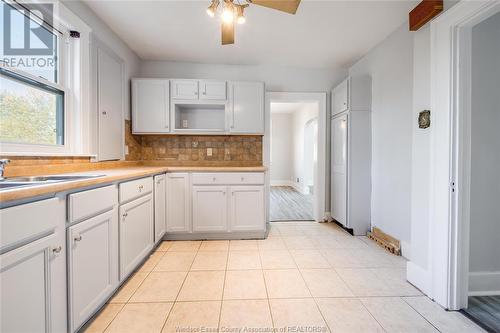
[319, 208]
[450, 149]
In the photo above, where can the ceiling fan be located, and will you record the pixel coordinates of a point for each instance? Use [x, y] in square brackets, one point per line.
[234, 12]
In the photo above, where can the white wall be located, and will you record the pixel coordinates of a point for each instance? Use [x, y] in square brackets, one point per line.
[300, 118]
[276, 78]
[485, 161]
[106, 35]
[390, 64]
[281, 148]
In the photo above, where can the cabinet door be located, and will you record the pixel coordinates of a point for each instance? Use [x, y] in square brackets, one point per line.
[150, 106]
[185, 89]
[209, 208]
[160, 193]
[136, 233]
[212, 89]
[247, 107]
[340, 96]
[247, 208]
[339, 169]
[28, 286]
[93, 265]
[178, 202]
[110, 100]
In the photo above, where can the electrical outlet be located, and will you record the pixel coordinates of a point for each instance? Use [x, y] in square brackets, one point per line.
[209, 151]
[126, 150]
[185, 123]
[298, 180]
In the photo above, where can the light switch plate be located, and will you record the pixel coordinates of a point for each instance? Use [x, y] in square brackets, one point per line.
[209, 151]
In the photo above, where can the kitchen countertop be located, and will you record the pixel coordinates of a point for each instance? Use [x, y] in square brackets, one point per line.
[109, 176]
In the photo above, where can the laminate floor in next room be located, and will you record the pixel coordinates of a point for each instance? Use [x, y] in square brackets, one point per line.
[303, 276]
[288, 204]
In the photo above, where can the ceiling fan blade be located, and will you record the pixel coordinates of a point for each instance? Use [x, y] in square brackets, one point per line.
[227, 33]
[287, 6]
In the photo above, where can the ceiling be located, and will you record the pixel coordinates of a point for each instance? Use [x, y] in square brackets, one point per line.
[323, 34]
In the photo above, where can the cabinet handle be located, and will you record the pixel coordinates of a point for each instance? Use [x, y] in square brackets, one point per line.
[57, 250]
[78, 238]
[104, 113]
[214, 179]
[242, 179]
[125, 215]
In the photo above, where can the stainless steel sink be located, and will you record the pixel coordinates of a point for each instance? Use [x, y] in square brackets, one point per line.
[9, 183]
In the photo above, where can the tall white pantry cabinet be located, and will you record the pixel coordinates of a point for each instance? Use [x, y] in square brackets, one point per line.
[351, 154]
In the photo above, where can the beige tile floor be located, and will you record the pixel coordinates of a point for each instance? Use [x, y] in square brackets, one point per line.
[305, 277]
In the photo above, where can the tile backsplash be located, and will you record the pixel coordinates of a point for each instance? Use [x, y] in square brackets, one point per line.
[227, 150]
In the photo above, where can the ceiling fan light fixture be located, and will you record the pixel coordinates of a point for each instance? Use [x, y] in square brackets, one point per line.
[227, 15]
[240, 17]
[212, 8]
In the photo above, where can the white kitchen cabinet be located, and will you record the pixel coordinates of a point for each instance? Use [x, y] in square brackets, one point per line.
[247, 211]
[246, 107]
[136, 233]
[209, 208]
[178, 203]
[160, 192]
[109, 99]
[92, 265]
[185, 89]
[351, 155]
[339, 169]
[212, 90]
[31, 276]
[150, 106]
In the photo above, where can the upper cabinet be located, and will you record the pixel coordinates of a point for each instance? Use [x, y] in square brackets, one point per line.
[185, 89]
[109, 100]
[246, 108]
[210, 89]
[150, 106]
[199, 89]
[352, 94]
[189, 106]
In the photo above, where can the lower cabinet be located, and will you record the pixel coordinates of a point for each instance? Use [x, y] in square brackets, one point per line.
[136, 233]
[30, 276]
[160, 192]
[178, 203]
[247, 208]
[209, 208]
[92, 265]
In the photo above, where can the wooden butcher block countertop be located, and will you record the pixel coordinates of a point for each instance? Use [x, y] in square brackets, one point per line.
[108, 176]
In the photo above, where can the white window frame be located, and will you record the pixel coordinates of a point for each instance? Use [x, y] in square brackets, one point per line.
[73, 80]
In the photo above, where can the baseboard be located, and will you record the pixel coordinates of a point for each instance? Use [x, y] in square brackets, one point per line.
[406, 250]
[282, 183]
[484, 283]
[419, 277]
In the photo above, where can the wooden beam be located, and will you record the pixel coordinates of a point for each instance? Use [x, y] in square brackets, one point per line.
[424, 12]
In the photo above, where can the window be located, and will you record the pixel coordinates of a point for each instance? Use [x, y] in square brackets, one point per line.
[30, 112]
[35, 77]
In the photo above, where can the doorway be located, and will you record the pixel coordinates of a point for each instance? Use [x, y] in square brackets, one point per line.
[465, 150]
[294, 152]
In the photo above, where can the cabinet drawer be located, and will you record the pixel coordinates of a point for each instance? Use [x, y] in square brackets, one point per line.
[233, 178]
[86, 204]
[24, 222]
[135, 189]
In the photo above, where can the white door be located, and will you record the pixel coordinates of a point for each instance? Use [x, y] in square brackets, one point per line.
[150, 106]
[247, 208]
[93, 265]
[185, 89]
[28, 285]
[340, 97]
[136, 233]
[178, 202]
[160, 193]
[212, 89]
[339, 169]
[110, 99]
[209, 208]
[247, 107]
